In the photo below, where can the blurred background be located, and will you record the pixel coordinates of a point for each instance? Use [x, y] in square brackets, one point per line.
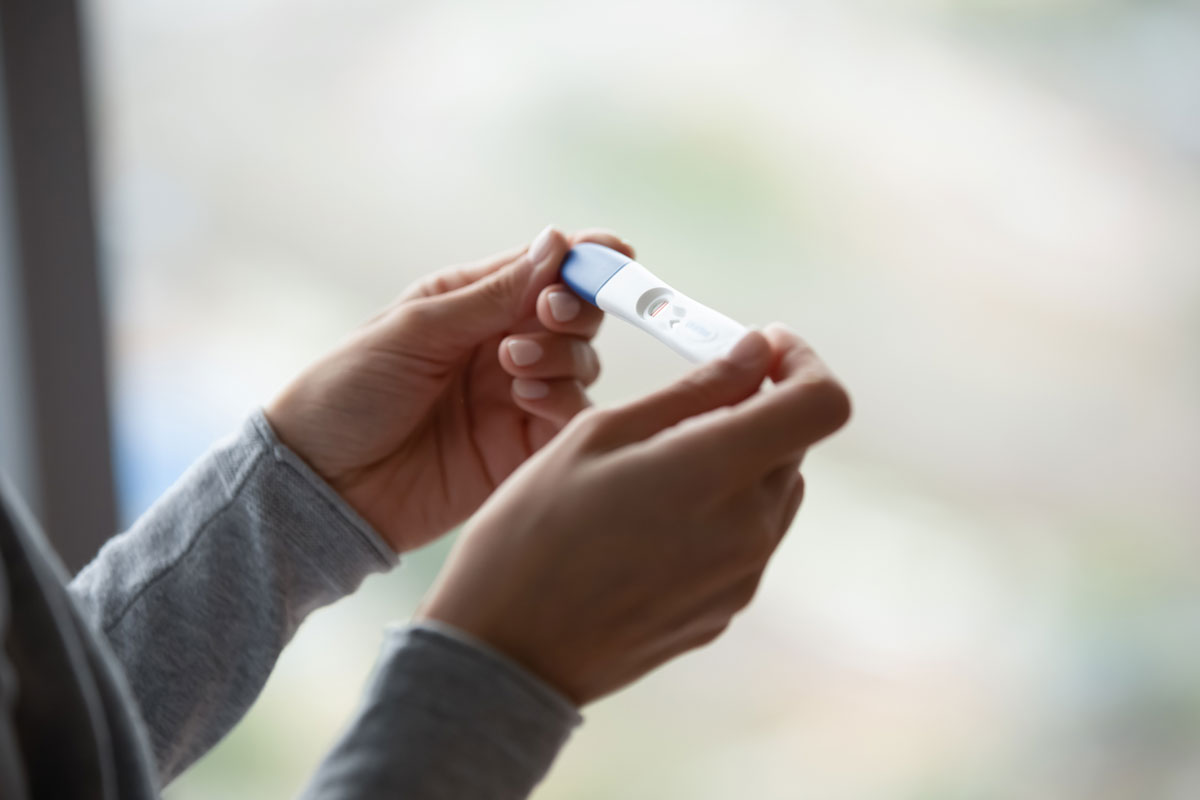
[984, 214]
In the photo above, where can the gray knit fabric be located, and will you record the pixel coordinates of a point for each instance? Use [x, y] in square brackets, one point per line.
[197, 600]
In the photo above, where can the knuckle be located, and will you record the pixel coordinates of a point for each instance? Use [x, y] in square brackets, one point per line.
[699, 389]
[718, 372]
[704, 384]
[695, 382]
[496, 291]
[713, 633]
[805, 352]
[742, 596]
[745, 593]
[746, 598]
[828, 404]
[417, 314]
[444, 281]
[589, 424]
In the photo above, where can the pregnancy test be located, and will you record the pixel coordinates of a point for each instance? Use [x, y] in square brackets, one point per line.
[620, 286]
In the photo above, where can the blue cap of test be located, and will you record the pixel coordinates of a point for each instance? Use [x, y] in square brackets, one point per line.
[588, 266]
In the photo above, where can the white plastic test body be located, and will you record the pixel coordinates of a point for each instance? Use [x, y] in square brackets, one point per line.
[624, 288]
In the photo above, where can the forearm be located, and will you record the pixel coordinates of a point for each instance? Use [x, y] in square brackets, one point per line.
[200, 596]
[445, 718]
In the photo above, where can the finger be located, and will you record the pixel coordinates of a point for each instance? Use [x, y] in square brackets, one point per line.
[492, 304]
[719, 383]
[740, 594]
[772, 428]
[556, 401]
[460, 275]
[561, 310]
[605, 237]
[549, 356]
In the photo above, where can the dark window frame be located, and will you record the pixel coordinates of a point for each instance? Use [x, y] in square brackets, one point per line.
[52, 260]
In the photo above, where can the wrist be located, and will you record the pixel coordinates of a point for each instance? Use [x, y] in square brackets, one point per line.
[490, 634]
[293, 428]
[328, 516]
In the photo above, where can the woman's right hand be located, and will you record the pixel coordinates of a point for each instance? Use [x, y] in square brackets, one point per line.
[641, 530]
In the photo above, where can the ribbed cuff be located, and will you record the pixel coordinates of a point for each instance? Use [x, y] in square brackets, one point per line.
[318, 496]
[443, 720]
[544, 691]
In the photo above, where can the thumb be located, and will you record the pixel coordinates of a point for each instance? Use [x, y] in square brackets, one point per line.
[723, 382]
[497, 300]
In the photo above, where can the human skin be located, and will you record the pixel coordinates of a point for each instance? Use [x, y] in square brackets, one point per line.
[641, 530]
[608, 541]
[421, 413]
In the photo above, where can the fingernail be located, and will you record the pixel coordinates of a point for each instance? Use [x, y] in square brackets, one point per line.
[564, 306]
[747, 350]
[524, 352]
[530, 390]
[541, 245]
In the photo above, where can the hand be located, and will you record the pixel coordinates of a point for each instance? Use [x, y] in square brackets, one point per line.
[633, 537]
[420, 414]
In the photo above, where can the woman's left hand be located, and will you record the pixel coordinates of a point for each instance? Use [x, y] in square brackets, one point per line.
[420, 414]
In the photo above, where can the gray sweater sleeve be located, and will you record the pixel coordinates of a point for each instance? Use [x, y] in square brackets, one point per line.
[445, 719]
[199, 597]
